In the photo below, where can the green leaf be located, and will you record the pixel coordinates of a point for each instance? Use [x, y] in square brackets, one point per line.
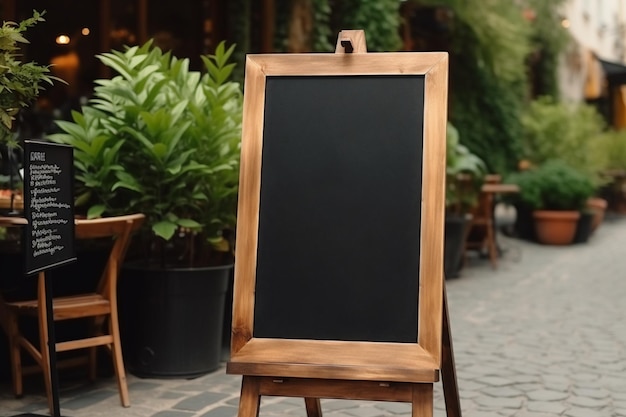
[164, 229]
[95, 211]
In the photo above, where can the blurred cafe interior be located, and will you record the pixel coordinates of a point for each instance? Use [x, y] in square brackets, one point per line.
[75, 31]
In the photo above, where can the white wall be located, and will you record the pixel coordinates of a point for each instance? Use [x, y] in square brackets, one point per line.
[596, 26]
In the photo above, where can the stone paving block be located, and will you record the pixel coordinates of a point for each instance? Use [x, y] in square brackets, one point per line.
[193, 387]
[548, 407]
[142, 385]
[295, 401]
[470, 386]
[535, 414]
[172, 413]
[494, 381]
[171, 395]
[90, 398]
[589, 402]
[507, 412]
[279, 408]
[331, 405]
[400, 408]
[221, 412]
[614, 384]
[556, 382]
[337, 413]
[498, 403]
[597, 393]
[469, 394]
[365, 411]
[233, 401]
[528, 387]
[505, 392]
[586, 412]
[547, 395]
[200, 401]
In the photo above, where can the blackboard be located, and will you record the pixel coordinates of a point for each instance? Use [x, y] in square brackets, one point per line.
[340, 208]
[340, 215]
[49, 205]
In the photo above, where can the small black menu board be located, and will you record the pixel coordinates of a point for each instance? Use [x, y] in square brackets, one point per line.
[48, 205]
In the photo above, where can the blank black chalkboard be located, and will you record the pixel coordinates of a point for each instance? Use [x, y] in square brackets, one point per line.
[340, 208]
[49, 205]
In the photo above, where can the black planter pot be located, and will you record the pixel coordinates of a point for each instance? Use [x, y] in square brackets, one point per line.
[455, 233]
[171, 320]
[584, 227]
[524, 223]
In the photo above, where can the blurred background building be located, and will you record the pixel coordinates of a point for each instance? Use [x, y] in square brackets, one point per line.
[593, 65]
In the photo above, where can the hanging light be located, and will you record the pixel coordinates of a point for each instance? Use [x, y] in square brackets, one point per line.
[62, 40]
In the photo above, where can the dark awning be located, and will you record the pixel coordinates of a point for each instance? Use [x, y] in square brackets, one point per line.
[615, 72]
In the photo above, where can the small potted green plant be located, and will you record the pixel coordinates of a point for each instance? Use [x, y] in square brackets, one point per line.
[555, 193]
[464, 173]
[163, 140]
[608, 150]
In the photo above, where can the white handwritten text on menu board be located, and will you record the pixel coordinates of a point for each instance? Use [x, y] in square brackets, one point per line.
[49, 205]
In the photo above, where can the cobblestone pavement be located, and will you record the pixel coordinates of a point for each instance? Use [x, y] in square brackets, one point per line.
[543, 335]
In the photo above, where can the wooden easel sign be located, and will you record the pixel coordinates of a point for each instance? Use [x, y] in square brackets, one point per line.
[339, 273]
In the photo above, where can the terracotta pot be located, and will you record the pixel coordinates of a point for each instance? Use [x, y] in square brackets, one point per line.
[598, 206]
[555, 227]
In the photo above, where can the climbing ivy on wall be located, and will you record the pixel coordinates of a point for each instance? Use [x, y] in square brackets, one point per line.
[491, 42]
[548, 39]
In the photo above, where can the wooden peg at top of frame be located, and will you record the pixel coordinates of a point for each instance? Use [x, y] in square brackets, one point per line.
[351, 41]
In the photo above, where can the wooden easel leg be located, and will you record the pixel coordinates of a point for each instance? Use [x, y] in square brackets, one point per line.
[313, 407]
[448, 369]
[422, 403]
[250, 399]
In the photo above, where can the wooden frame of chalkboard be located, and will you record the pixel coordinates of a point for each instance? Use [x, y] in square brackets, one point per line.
[352, 113]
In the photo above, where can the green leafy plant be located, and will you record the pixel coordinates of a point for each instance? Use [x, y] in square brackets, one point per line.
[20, 82]
[608, 151]
[162, 140]
[464, 173]
[566, 131]
[554, 185]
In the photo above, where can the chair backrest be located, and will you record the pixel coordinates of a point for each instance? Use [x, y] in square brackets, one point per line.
[120, 228]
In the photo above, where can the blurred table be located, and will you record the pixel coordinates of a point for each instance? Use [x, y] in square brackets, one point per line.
[483, 220]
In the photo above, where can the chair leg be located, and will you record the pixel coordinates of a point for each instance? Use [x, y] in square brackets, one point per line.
[118, 361]
[92, 363]
[92, 353]
[15, 354]
[491, 245]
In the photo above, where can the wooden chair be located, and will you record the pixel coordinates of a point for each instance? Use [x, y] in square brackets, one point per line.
[482, 230]
[100, 307]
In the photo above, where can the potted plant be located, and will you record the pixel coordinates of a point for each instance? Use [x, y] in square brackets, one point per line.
[163, 140]
[556, 194]
[464, 173]
[609, 152]
[573, 133]
[20, 84]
